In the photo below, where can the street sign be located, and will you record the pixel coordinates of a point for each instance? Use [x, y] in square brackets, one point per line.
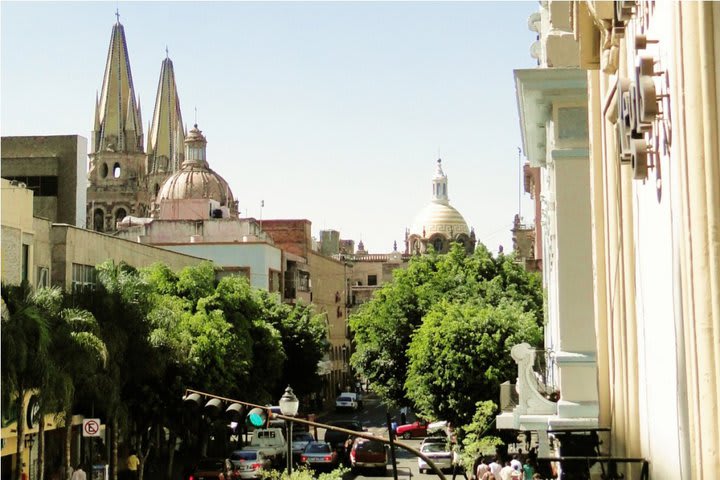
[91, 427]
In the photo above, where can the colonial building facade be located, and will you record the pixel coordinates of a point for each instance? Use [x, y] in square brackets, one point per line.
[642, 186]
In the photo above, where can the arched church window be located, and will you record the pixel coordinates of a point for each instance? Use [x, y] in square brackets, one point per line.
[98, 220]
[104, 170]
[120, 213]
[438, 244]
[116, 170]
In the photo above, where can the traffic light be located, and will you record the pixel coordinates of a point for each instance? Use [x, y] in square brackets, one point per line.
[257, 417]
[234, 412]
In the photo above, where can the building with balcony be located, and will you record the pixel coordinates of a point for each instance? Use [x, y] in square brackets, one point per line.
[552, 104]
[647, 75]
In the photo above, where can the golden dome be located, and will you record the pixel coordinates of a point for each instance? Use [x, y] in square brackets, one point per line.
[195, 179]
[439, 218]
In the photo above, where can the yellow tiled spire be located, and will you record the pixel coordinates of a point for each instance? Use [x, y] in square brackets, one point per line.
[117, 115]
[166, 137]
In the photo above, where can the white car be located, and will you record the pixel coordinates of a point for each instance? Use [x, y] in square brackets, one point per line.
[439, 453]
[346, 401]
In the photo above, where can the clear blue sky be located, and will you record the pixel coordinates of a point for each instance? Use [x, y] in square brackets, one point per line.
[330, 111]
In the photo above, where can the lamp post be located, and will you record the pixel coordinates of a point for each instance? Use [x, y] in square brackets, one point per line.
[289, 404]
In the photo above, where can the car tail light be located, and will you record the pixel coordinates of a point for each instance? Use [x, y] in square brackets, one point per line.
[255, 466]
[352, 455]
[328, 458]
[191, 477]
[303, 458]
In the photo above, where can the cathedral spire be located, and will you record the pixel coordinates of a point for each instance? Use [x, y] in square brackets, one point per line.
[166, 137]
[440, 191]
[117, 113]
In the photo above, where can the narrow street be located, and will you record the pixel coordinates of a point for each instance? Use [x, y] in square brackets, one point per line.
[373, 417]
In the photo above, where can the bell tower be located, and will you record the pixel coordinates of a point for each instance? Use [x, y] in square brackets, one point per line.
[116, 180]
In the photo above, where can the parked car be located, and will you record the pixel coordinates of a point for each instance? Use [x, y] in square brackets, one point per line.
[337, 439]
[439, 453]
[346, 402]
[320, 455]
[415, 429]
[208, 469]
[300, 440]
[247, 464]
[366, 453]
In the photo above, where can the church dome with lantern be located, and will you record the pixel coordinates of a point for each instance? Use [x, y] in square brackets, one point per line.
[439, 223]
[196, 180]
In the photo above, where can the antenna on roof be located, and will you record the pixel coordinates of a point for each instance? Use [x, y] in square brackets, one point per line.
[519, 182]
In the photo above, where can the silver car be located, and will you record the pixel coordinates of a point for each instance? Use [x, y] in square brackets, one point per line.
[439, 453]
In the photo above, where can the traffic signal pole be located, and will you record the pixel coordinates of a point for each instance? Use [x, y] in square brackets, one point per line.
[366, 435]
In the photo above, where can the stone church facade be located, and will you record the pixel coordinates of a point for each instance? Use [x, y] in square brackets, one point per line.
[124, 175]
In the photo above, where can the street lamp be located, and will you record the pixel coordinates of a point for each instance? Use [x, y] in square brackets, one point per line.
[289, 404]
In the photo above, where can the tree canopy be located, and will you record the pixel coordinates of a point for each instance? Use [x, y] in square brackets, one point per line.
[439, 335]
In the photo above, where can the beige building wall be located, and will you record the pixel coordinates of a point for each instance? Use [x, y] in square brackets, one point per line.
[656, 228]
[328, 278]
[17, 231]
[72, 245]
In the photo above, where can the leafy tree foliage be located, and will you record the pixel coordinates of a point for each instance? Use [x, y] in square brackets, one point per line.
[462, 298]
[460, 355]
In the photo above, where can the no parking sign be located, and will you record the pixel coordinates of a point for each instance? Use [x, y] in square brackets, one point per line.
[91, 427]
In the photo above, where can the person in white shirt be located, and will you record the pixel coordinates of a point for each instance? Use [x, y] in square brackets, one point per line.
[79, 473]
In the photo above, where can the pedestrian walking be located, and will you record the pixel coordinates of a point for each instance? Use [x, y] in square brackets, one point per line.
[78, 473]
[132, 464]
[458, 468]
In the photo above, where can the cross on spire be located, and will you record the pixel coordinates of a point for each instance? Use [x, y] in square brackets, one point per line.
[167, 52]
[117, 14]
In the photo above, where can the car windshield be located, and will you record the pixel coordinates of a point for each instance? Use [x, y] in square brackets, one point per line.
[433, 447]
[302, 437]
[243, 455]
[344, 399]
[210, 465]
[318, 448]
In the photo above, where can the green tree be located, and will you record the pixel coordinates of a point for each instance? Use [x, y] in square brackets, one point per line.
[461, 354]
[76, 352]
[25, 338]
[384, 327]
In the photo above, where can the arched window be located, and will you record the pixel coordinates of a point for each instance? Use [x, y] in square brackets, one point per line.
[98, 220]
[116, 170]
[438, 244]
[120, 213]
[104, 170]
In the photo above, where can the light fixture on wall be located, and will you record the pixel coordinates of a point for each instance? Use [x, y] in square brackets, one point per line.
[29, 440]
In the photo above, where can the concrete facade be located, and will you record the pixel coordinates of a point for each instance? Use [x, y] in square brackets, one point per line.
[552, 102]
[653, 77]
[54, 167]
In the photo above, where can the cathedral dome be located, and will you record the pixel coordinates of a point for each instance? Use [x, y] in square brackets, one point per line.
[438, 224]
[195, 179]
[439, 218]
